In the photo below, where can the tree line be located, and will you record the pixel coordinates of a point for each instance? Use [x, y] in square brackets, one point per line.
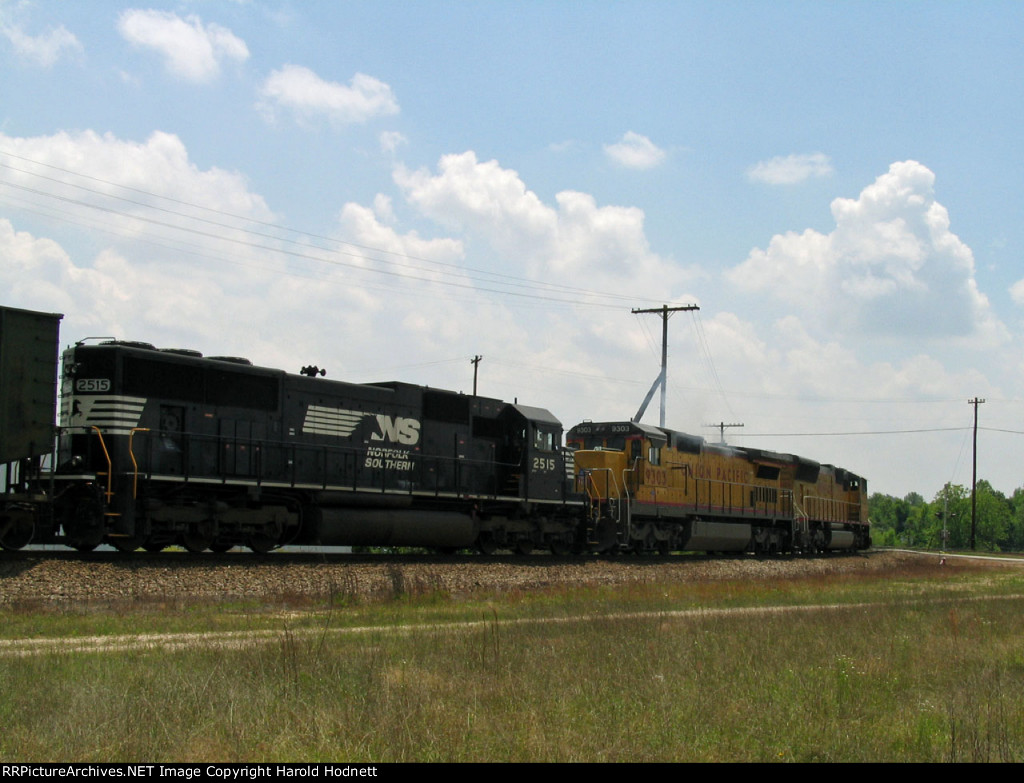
[945, 522]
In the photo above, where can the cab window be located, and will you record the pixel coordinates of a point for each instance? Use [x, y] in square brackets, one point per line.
[543, 440]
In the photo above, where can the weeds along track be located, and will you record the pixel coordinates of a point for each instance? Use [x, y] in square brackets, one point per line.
[45, 579]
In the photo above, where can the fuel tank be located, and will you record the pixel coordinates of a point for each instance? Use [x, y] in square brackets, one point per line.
[388, 527]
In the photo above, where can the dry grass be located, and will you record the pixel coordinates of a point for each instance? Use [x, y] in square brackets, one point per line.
[918, 666]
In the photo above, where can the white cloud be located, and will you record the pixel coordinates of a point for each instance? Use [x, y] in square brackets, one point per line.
[160, 229]
[1017, 292]
[182, 271]
[401, 253]
[635, 152]
[891, 266]
[159, 166]
[791, 169]
[483, 197]
[43, 50]
[559, 147]
[303, 92]
[35, 271]
[572, 240]
[784, 376]
[390, 141]
[190, 49]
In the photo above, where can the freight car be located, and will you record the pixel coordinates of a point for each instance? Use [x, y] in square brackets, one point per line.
[168, 447]
[28, 394]
[653, 489]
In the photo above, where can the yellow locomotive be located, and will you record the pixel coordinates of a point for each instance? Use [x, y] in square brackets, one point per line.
[654, 489]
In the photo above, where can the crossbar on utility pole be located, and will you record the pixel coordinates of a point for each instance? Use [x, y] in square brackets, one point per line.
[721, 430]
[662, 378]
[974, 473]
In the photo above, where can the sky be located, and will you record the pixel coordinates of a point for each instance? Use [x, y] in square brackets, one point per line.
[390, 189]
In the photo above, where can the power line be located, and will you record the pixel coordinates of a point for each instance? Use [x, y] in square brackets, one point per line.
[844, 434]
[332, 261]
[709, 362]
[544, 291]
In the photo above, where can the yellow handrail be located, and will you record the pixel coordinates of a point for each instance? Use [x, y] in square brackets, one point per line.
[135, 464]
[110, 466]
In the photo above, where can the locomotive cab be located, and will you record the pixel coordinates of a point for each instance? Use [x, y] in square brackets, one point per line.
[535, 449]
[614, 460]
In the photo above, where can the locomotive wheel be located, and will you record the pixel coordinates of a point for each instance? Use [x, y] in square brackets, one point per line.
[17, 532]
[606, 535]
[195, 541]
[560, 544]
[261, 544]
[220, 547]
[524, 545]
[125, 543]
[154, 546]
[580, 545]
[85, 530]
[486, 543]
[641, 546]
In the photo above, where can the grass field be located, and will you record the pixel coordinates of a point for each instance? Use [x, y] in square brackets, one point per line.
[923, 665]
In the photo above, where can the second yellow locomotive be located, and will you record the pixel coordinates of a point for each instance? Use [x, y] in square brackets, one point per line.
[654, 489]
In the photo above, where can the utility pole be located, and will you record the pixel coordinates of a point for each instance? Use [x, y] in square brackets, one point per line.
[974, 473]
[721, 430]
[475, 361]
[662, 378]
[945, 517]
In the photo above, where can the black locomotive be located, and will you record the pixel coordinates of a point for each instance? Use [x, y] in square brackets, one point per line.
[168, 447]
[162, 447]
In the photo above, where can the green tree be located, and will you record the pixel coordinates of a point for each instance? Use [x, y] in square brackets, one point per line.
[952, 507]
[893, 520]
[945, 522]
[992, 519]
[1015, 535]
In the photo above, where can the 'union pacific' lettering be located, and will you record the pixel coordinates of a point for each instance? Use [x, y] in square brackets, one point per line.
[718, 473]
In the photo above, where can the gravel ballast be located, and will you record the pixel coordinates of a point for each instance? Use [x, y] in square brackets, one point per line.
[62, 578]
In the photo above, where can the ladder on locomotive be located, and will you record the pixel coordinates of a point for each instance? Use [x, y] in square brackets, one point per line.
[604, 506]
[108, 493]
[801, 522]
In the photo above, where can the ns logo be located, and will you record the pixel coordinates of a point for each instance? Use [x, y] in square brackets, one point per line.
[397, 429]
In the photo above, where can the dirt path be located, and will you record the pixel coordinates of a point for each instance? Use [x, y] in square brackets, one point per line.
[239, 639]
